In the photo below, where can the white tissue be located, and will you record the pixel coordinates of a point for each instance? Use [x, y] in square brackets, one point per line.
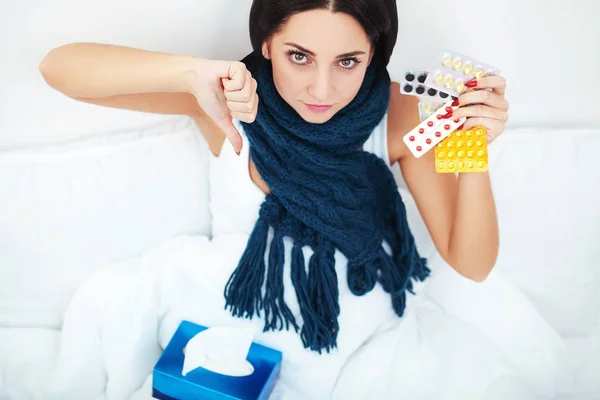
[221, 350]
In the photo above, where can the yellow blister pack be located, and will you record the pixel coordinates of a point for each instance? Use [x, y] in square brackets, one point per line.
[463, 151]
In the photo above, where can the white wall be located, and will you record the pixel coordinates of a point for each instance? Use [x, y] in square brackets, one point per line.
[549, 50]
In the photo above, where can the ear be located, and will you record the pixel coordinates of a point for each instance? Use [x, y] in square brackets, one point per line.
[265, 50]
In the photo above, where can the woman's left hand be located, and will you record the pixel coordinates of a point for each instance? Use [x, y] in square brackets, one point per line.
[484, 107]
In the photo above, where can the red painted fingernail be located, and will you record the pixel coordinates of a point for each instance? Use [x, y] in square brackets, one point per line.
[460, 127]
[471, 84]
[449, 109]
[446, 116]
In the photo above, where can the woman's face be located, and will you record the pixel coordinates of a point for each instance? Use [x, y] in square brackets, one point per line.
[319, 61]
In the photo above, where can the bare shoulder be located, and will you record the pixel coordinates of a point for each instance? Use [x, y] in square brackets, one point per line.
[403, 115]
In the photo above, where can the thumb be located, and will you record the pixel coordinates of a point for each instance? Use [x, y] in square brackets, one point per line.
[231, 133]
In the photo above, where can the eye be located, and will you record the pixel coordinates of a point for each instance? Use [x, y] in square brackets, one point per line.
[348, 63]
[297, 57]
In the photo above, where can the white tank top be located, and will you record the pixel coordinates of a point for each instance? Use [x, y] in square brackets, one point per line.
[235, 199]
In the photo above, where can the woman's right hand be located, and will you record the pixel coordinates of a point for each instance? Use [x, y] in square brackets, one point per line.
[226, 90]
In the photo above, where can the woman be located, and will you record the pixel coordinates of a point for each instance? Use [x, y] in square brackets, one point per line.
[313, 158]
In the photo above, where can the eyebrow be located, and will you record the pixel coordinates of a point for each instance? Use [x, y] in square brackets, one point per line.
[312, 53]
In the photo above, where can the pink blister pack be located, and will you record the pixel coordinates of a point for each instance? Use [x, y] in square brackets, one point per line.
[453, 70]
[413, 83]
[432, 130]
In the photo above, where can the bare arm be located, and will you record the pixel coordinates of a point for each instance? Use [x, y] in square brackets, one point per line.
[136, 79]
[459, 212]
[123, 77]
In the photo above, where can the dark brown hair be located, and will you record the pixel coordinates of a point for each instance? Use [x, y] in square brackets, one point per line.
[379, 19]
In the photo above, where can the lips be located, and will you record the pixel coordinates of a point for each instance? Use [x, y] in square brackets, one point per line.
[318, 107]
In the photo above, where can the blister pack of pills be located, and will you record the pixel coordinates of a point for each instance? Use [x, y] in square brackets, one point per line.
[432, 130]
[463, 151]
[453, 70]
[426, 108]
[413, 83]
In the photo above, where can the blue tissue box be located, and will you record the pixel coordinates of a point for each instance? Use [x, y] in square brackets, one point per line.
[169, 384]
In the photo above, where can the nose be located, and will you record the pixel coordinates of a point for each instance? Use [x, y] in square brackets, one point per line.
[320, 87]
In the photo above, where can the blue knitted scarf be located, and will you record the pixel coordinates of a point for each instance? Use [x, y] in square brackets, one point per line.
[327, 194]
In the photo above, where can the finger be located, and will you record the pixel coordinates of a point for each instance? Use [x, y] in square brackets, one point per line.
[496, 82]
[249, 116]
[231, 133]
[244, 94]
[236, 77]
[246, 107]
[483, 97]
[493, 127]
[480, 110]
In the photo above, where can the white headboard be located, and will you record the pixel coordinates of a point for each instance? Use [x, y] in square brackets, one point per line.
[547, 49]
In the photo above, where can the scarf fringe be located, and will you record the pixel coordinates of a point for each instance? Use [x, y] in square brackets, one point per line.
[277, 313]
[243, 291]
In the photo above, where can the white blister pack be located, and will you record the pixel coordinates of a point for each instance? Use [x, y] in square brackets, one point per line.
[453, 70]
[426, 108]
[433, 130]
[413, 83]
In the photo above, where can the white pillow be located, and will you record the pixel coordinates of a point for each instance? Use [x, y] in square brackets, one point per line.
[68, 208]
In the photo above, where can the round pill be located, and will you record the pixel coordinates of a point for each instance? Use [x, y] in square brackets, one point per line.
[480, 164]
[427, 107]
[439, 78]
[419, 148]
[439, 116]
[443, 95]
[478, 132]
[470, 153]
[460, 86]
[461, 154]
[469, 143]
[447, 60]
[478, 143]
[421, 130]
[471, 164]
[408, 88]
[410, 77]
[432, 92]
[458, 133]
[460, 164]
[441, 154]
[449, 82]
[457, 65]
[469, 133]
[430, 123]
[451, 165]
[450, 154]
[459, 143]
[450, 143]
[420, 90]
[468, 69]
[441, 165]
[440, 145]
[480, 153]
[428, 141]
[447, 127]
[422, 78]
[456, 121]
[479, 72]
[438, 134]
[411, 138]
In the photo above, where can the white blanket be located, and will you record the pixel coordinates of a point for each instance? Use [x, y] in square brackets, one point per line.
[457, 339]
